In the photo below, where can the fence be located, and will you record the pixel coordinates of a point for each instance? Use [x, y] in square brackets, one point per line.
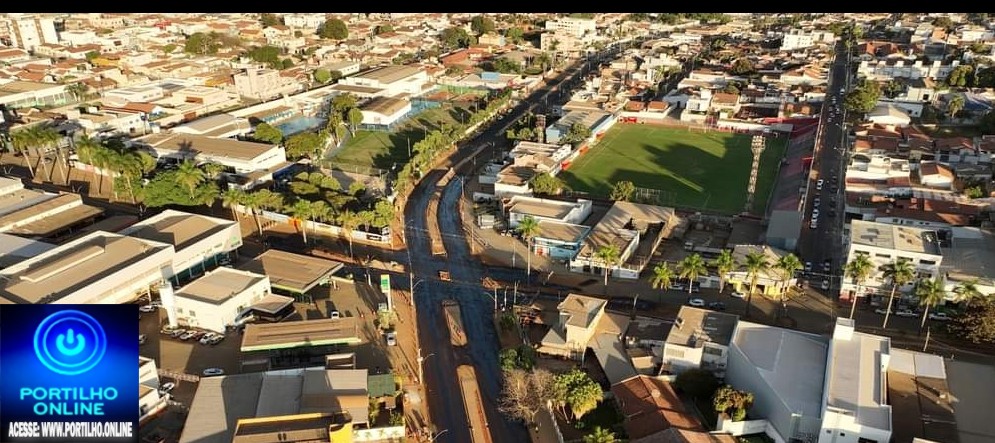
[315, 228]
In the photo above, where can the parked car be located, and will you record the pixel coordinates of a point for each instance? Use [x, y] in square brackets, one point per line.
[177, 333]
[818, 184]
[827, 265]
[696, 302]
[188, 335]
[808, 266]
[817, 202]
[939, 316]
[166, 387]
[141, 339]
[147, 308]
[218, 338]
[905, 313]
[211, 372]
[335, 315]
[881, 311]
[717, 306]
[676, 287]
[813, 224]
[738, 294]
[391, 339]
[825, 285]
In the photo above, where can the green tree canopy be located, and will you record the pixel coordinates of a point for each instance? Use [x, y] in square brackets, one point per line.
[863, 98]
[383, 29]
[577, 133]
[267, 133]
[266, 54]
[321, 75]
[305, 144]
[977, 323]
[455, 38]
[514, 34]
[268, 20]
[582, 393]
[482, 25]
[961, 76]
[335, 29]
[546, 184]
[622, 191]
[742, 66]
[733, 402]
[166, 189]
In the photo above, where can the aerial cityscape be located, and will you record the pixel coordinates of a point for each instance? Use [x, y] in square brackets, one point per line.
[475, 228]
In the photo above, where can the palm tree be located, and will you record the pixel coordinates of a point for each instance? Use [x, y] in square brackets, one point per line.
[662, 277]
[231, 197]
[22, 141]
[189, 176]
[302, 211]
[931, 293]
[724, 264]
[600, 435]
[756, 262]
[528, 228]
[692, 267]
[349, 221]
[788, 265]
[859, 269]
[43, 138]
[967, 292]
[608, 256]
[899, 273]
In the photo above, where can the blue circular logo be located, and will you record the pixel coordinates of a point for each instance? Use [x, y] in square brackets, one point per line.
[70, 342]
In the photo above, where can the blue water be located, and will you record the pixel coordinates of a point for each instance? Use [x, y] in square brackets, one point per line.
[299, 124]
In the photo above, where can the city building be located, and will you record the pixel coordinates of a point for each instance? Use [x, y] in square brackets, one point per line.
[14, 249]
[343, 67]
[770, 281]
[577, 323]
[885, 243]
[263, 84]
[28, 31]
[785, 370]
[855, 407]
[596, 121]
[559, 241]
[200, 242]
[293, 274]
[241, 157]
[99, 268]
[969, 258]
[699, 339]
[310, 21]
[634, 229]
[333, 427]
[921, 402]
[651, 406]
[556, 211]
[35, 214]
[219, 298]
[384, 112]
[577, 27]
[801, 39]
[221, 402]
[388, 81]
[133, 94]
[217, 126]
[19, 94]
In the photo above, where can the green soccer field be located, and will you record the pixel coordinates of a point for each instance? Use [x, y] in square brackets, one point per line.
[693, 170]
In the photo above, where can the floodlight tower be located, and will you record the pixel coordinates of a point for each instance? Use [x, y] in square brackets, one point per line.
[757, 147]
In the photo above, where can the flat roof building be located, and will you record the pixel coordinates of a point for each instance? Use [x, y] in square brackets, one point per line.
[388, 81]
[384, 111]
[14, 249]
[221, 402]
[293, 273]
[37, 214]
[199, 241]
[885, 243]
[100, 268]
[699, 339]
[856, 400]
[920, 399]
[217, 300]
[542, 209]
[324, 332]
[244, 157]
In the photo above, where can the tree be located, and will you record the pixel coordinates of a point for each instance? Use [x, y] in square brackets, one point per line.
[967, 292]
[334, 29]
[692, 267]
[321, 75]
[930, 293]
[169, 188]
[892, 89]
[383, 29]
[343, 102]
[899, 273]
[92, 55]
[505, 65]
[268, 133]
[189, 176]
[285, 64]
[724, 264]
[546, 184]
[622, 191]
[788, 265]
[514, 35]
[607, 256]
[266, 54]
[600, 435]
[355, 118]
[977, 322]
[859, 269]
[863, 98]
[582, 394]
[577, 133]
[268, 20]
[305, 144]
[201, 44]
[943, 22]
[349, 221]
[78, 90]
[303, 211]
[756, 262]
[955, 105]
[232, 197]
[698, 383]
[455, 38]
[662, 276]
[742, 66]
[525, 393]
[528, 228]
[481, 25]
[168, 48]
[732, 402]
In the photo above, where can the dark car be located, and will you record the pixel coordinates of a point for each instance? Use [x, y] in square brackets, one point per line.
[717, 306]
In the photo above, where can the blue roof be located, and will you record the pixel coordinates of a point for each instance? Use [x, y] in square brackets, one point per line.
[976, 103]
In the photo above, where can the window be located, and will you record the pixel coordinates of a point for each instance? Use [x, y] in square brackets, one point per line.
[927, 262]
[192, 314]
[712, 351]
[179, 310]
[676, 353]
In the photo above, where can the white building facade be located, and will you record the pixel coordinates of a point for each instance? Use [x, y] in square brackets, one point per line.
[217, 299]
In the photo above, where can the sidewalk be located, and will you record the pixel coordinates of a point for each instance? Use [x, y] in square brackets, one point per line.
[416, 411]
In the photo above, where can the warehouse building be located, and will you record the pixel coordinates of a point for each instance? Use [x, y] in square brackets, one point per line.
[219, 298]
[293, 274]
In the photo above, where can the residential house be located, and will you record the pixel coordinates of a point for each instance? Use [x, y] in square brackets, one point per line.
[582, 323]
[263, 84]
[889, 114]
[785, 370]
[555, 211]
[699, 339]
[936, 175]
[770, 282]
[724, 104]
[650, 407]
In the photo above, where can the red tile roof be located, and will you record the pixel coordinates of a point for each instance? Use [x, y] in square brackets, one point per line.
[650, 406]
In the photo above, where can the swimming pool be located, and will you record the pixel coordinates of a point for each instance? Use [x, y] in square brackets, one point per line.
[299, 124]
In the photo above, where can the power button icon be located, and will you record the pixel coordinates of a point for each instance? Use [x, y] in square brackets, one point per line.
[70, 342]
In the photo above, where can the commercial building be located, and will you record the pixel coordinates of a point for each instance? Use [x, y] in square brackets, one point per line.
[559, 241]
[300, 428]
[150, 401]
[596, 121]
[200, 242]
[28, 31]
[218, 126]
[14, 249]
[219, 298]
[290, 273]
[855, 408]
[555, 211]
[263, 84]
[969, 257]
[384, 112]
[785, 370]
[388, 81]
[242, 157]
[309, 21]
[222, 402]
[22, 94]
[770, 281]
[100, 268]
[635, 229]
[133, 94]
[883, 244]
[36, 214]
[699, 339]
[921, 402]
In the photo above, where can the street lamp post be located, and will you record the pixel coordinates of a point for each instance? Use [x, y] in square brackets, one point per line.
[413, 286]
[421, 366]
[439, 434]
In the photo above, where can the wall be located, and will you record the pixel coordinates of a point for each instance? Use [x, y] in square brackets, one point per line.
[315, 227]
[378, 434]
[743, 375]
[123, 286]
[681, 358]
[747, 427]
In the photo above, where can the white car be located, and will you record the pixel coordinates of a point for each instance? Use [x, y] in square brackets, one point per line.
[334, 315]
[147, 308]
[737, 294]
[818, 184]
[939, 316]
[166, 387]
[817, 202]
[905, 313]
[211, 372]
[696, 302]
[808, 266]
[825, 285]
[814, 224]
[391, 339]
[141, 339]
[815, 213]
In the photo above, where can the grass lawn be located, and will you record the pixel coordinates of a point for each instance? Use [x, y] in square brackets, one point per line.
[697, 170]
[384, 149]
